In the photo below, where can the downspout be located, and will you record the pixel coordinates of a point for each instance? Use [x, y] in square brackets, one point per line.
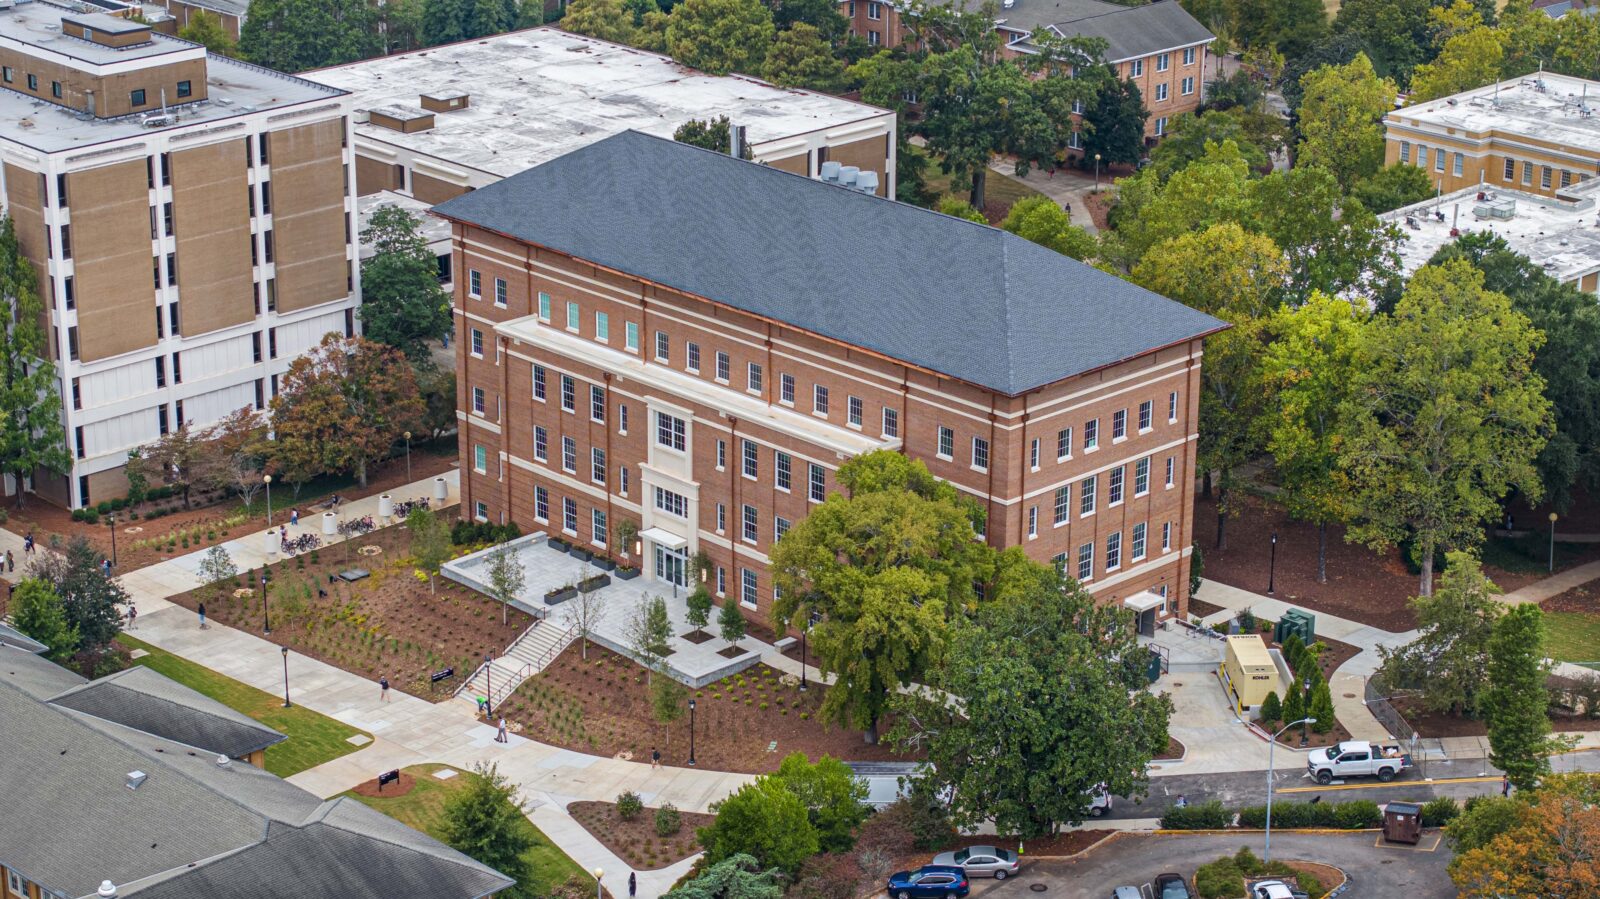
[733, 505]
[611, 523]
[766, 381]
[1022, 487]
[905, 408]
[989, 490]
[503, 360]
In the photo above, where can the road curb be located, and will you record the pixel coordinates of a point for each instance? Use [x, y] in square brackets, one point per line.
[1233, 830]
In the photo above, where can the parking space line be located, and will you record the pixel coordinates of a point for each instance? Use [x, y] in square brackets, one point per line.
[1393, 784]
[1438, 838]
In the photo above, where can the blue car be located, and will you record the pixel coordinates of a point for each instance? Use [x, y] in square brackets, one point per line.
[928, 882]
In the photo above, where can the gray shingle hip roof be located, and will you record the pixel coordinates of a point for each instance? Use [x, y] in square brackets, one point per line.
[1129, 31]
[965, 300]
[145, 700]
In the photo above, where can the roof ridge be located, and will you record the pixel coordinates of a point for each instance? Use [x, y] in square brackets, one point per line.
[243, 720]
[451, 854]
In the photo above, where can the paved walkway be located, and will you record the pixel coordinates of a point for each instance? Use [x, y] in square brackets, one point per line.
[1068, 186]
[1554, 585]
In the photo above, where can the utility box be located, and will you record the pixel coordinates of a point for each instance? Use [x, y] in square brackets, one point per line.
[1250, 669]
[1295, 621]
[1402, 822]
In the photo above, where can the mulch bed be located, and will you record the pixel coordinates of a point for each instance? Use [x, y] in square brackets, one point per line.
[636, 842]
[386, 624]
[1099, 204]
[1200, 608]
[602, 706]
[390, 790]
[1584, 599]
[1327, 875]
[1439, 724]
[1174, 750]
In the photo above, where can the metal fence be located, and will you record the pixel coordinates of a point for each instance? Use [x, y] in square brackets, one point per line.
[1387, 715]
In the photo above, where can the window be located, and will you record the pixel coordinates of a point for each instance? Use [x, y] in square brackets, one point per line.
[1146, 413]
[602, 327]
[538, 382]
[475, 283]
[569, 515]
[670, 431]
[1033, 522]
[1566, 178]
[819, 484]
[480, 511]
[6, 74]
[161, 371]
[1114, 551]
[569, 455]
[853, 409]
[749, 521]
[135, 97]
[947, 443]
[1114, 484]
[1136, 551]
[1163, 62]
[1136, 68]
[1166, 536]
[749, 585]
[891, 422]
[723, 367]
[631, 337]
[1091, 434]
[1510, 173]
[1059, 560]
[1161, 125]
[753, 378]
[573, 317]
[1119, 424]
[693, 355]
[569, 394]
[722, 580]
[500, 292]
[1063, 502]
[1188, 56]
[541, 504]
[541, 443]
[477, 400]
[1544, 176]
[1439, 160]
[722, 518]
[780, 526]
[1086, 496]
[722, 455]
[1086, 562]
[1172, 407]
[874, 10]
[980, 453]
[1141, 477]
[1457, 161]
[185, 89]
[1422, 156]
[752, 463]
[597, 404]
[599, 524]
[1063, 444]
[819, 400]
[1405, 152]
[597, 465]
[874, 38]
[1075, 138]
[622, 419]
[1170, 464]
[477, 343]
[674, 504]
[622, 480]
[1161, 93]
[786, 389]
[1033, 454]
[480, 459]
[544, 307]
[663, 347]
[783, 466]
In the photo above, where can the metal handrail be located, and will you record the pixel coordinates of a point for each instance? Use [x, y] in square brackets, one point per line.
[529, 669]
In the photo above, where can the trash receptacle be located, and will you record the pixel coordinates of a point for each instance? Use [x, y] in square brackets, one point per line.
[1402, 822]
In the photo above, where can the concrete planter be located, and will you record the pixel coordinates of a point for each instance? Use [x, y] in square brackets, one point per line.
[605, 564]
[559, 545]
[578, 552]
[330, 524]
[595, 583]
[385, 506]
[556, 597]
[441, 489]
[626, 574]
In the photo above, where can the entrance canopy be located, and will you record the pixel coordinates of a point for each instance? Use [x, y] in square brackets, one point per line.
[1144, 601]
[664, 538]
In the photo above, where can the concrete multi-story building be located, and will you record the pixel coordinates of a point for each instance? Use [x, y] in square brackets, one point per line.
[1538, 134]
[642, 338]
[1158, 46]
[190, 217]
[439, 122]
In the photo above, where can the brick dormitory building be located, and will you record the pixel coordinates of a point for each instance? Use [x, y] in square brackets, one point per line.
[655, 332]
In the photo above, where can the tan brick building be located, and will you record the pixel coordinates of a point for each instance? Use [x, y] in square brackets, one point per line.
[189, 217]
[642, 338]
[1158, 46]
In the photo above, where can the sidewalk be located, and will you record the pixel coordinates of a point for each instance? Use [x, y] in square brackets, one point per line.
[1554, 585]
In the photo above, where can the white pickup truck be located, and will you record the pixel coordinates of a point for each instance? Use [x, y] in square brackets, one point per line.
[1357, 758]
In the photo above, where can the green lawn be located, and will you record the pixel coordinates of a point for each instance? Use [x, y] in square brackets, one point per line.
[313, 738]
[423, 809]
[1573, 637]
[999, 190]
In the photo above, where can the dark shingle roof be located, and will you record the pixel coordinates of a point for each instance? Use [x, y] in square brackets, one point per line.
[34, 674]
[145, 700]
[10, 636]
[959, 298]
[1129, 31]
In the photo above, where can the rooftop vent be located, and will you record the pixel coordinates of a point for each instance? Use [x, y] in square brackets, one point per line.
[224, 762]
[830, 171]
[867, 182]
[405, 119]
[446, 101]
[136, 779]
[108, 890]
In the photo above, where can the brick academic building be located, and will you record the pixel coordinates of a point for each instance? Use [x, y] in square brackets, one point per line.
[655, 332]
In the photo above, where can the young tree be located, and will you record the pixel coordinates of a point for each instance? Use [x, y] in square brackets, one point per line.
[36, 610]
[184, 457]
[1307, 372]
[835, 799]
[1547, 849]
[89, 598]
[348, 400]
[485, 821]
[506, 578]
[762, 819]
[1515, 699]
[583, 614]
[1448, 662]
[712, 134]
[700, 605]
[438, 388]
[880, 568]
[237, 455]
[32, 437]
[1320, 707]
[1446, 415]
[730, 622]
[1341, 117]
[402, 304]
[1052, 706]
[217, 570]
[1271, 710]
[430, 542]
[666, 703]
[295, 35]
[650, 635]
[1040, 220]
[720, 36]
[1294, 703]
[1115, 123]
[205, 28]
[735, 877]
[801, 57]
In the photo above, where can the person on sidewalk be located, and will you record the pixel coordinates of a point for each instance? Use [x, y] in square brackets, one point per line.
[501, 737]
[202, 610]
[133, 613]
[11, 561]
[655, 758]
[383, 688]
[633, 885]
[27, 544]
[1505, 786]
[294, 517]
[105, 566]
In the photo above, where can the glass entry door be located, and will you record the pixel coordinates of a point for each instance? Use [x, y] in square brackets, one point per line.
[671, 565]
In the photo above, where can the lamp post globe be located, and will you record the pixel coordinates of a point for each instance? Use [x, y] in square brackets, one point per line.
[267, 479]
[1553, 517]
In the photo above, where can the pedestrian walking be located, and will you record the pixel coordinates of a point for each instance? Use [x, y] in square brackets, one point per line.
[501, 737]
[133, 613]
[202, 610]
[294, 517]
[105, 566]
[1505, 785]
[655, 758]
[383, 688]
[11, 561]
[633, 885]
[27, 544]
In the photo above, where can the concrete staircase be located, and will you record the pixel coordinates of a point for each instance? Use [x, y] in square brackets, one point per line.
[528, 655]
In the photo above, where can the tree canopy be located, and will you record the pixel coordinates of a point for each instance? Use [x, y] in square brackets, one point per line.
[762, 819]
[295, 35]
[31, 434]
[485, 821]
[1340, 118]
[402, 304]
[1447, 664]
[1039, 219]
[720, 36]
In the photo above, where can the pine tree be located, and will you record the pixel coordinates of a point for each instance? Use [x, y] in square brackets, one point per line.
[1321, 708]
[31, 437]
[1294, 707]
[1271, 709]
[485, 821]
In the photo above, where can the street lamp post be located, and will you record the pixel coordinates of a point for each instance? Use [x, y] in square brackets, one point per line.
[1097, 173]
[691, 731]
[266, 618]
[1268, 851]
[488, 683]
[267, 479]
[111, 522]
[286, 703]
[1272, 567]
[1552, 543]
[408, 457]
[803, 632]
[598, 873]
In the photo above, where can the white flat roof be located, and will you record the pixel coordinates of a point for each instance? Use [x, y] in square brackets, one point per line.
[541, 93]
[1545, 106]
[434, 230]
[1560, 236]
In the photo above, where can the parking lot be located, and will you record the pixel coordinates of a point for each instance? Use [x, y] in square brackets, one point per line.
[1134, 859]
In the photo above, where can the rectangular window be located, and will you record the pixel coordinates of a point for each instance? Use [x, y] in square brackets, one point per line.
[597, 465]
[1166, 536]
[1161, 126]
[724, 367]
[1136, 68]
[1527, 173]
[752, 463]
[1161, 93]
[1063, 444]
[1163, 62]
[569, 515]
[1405, 151]
[501, 292]
[135, 97]
[161, 371]
[722, 455]
[1086, 496]
[1457, 162]
[1509, 174]
[1422, 156]
[1544, 176]
[569, 394]
[1146, 413]
[1033, 522]
[477, 343]
[538, 383]
[1136, 550]
[751, 533]
[602, 327]
[786, 389]
[1439, 160]
[891, 422]
[1119, 424]
[1188, 56]
[694, 357]
[980, 453]
[544, 307]
[597, 404]
[569, 455]
[1170, 465]
[674, 504]
[722, 580]
[947, 443]
[752, 380]
[670, 431]
[622, 419]
[1033, 454]
[480, 459]
[874, 10]
[541, 504]
[722, 518]
[77, 395]
[1566, 178]
[1114, 551]
[185, 89]
[748, 594]
[7, 74]
[853, 411]
[1172, 407]
[819, 483]
[783, 466]
[631, 337]
[819, 400]
[663, 347]
[474, 283]
[1063, 503]
[1187, 86]
[622, 480]
[1091, 434]
[1141, 477]
[541, 443]
[1114, 489]
[480, 511]
[601, 532]
[780, 526]
[477, 400]
[1086, 562]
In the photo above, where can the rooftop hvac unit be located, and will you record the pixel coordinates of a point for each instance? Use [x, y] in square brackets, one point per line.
[159, 120]
[867, 182]
[830, 171]
[847, 175]
[1502, 208]
[136, 779]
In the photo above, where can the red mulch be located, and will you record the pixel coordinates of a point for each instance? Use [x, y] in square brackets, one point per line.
[388, 624]
[1439, 724]
[1200, 608]
[602, 706]
[389, 791]
[1174, 750]
[636, 842]
[1584, 599]
[1099, 205]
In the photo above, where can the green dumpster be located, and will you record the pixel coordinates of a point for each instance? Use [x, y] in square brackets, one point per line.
[1302, 624]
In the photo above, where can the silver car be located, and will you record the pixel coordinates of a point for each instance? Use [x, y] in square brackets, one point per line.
[981, 861]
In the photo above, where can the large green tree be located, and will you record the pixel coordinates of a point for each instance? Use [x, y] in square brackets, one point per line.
[1340, 118]
[1446, 415]
[1516, 700]
[1395, 34]
[1052, 708]
[1470, 59]
[1392, 187]
[1189, 134]
[91, 600]
[1448, 662]
[205, 28]
[1332, 242]
[823, 15]
[1039, 219]
[485, 821]
[603, 19]
[720, 36]
[880, 567]
[402, 304]
[1115, 123]
[32, 439]
[762, 819]
[37, 610]
[834, 798]
[802, 57]
[295, 35]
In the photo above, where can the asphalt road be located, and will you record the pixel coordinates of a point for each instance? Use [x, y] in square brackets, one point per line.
[1134, 859]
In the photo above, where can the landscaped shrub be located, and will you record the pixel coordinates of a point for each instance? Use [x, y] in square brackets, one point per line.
[1439, 812]
[104, 507]
[668, 821]
[90, 516]
[629, 805]
[1204, 816]
[1271, 710]
[1224, 878]
[1353, 815]
[77, 514]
